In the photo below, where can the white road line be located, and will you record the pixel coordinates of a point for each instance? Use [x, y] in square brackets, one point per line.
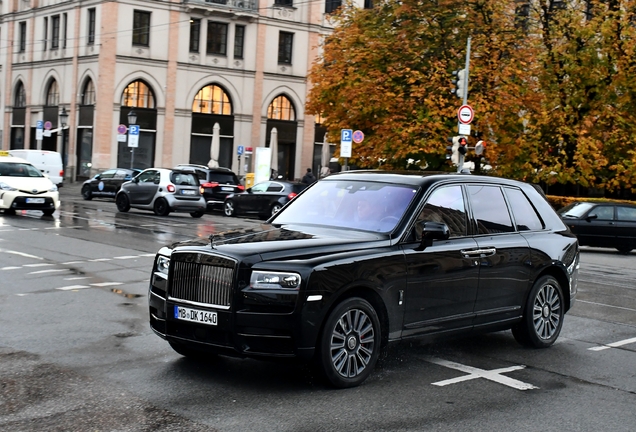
[603, 304]
[147, 255]
[127, 257]
[105, 284]
[48, 271]
[10, 268]
[100, 259]
[37, 265]
[474, 373]
[72, 287]
[613, 345]
[79, 278]
[21, 254]
[72, 262]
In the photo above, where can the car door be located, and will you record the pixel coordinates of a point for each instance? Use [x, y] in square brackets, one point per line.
[626, 227]
[274, 192]
[249, 202]
[504, 256]
[442, 279]
[598, 226]
[106, 183]
[98, 187]
[143, 190]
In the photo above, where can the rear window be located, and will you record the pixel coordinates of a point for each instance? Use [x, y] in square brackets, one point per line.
[183, 179]
[224, 178]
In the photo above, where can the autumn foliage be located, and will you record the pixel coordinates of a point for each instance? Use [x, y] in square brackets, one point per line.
[552, 86]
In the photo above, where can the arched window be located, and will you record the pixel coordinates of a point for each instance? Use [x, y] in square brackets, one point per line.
[53, 94]
[20, 96]
[138, 95]
[88, 95]
[212, 99]
[281, 108]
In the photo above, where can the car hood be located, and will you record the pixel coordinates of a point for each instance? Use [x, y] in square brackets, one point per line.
[28, 184]
[272, 242]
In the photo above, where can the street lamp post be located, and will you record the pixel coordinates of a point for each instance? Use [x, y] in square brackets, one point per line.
[63, 123]
[132, 120]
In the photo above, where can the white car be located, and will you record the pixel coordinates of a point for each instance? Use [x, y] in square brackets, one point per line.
[24, 187]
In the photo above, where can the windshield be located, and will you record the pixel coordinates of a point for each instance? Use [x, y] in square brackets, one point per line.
[19, 170]
[360, 205]
[575, 210]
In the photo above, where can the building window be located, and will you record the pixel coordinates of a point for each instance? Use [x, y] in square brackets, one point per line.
[195, 34]
[138, 95]
[284, 2]
[368, 4]
[22, 42]
[332, 5]
[281, 108]
[55, 32]
[239, 41]
[20, 96]
[46, 32]
[285, 44]
[217, 38]
[212, 99]
[53, 94]
[141, 28]
[91, 27]
[64, 27]
[88, 96]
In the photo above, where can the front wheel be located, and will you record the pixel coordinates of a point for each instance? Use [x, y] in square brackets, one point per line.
[86, 193]
[48, 212]
[350, 343]
[122, 202]
[624, 250]
[543, 317]
[197, 214]
[161, 207]
[228, 208]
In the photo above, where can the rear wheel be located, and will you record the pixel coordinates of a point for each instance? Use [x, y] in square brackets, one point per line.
[9, 211]
[275, 208]
[122, 202]
[86, 193]
[228, 208]
[48, 212]
[197, 214]
[624, 250]
[161, 207]
[543, 317]
[350, 343]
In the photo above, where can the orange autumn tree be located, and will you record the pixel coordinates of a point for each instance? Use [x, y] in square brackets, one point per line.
[387, 72]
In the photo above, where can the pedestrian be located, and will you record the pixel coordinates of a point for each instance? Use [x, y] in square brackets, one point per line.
[309, 177]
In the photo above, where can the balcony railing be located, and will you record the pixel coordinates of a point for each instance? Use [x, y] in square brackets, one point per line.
[245, 5]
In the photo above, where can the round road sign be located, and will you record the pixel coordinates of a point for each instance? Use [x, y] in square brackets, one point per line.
[358, 136]
[465, 114]
[48, 125]
[122, 129]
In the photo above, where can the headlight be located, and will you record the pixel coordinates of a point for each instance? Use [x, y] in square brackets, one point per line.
[4, 186]
[274, 280]
[163, 264]
[53, 189]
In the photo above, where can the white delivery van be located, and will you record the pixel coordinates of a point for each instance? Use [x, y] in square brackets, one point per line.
[49, 162]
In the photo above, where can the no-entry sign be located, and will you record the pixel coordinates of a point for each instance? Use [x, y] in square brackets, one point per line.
[465, 114]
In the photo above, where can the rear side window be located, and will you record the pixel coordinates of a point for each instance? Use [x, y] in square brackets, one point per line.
[108, 174]
[184, 179]
[626, 213]
[525, 215]
[275, 187]
[490, 209]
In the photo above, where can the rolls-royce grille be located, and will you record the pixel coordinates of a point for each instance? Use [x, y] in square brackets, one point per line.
[202, 283]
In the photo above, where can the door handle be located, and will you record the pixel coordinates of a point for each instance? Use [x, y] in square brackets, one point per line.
[479, 252]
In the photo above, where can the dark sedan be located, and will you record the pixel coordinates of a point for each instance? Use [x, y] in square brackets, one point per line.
[363, 259]
[107, 183]
[263, 199]
[611, 225]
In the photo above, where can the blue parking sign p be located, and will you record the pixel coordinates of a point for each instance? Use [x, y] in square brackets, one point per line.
[346, 134]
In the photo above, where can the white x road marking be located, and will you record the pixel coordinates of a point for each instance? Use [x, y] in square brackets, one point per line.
[613, 345]
[474, 373]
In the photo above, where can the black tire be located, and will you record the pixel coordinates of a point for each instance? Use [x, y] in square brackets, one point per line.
[197, 214]
[86, 193]
[10, 212]
[350, 343]
[161, 207]
[624, 250]
[275, 208]
[543, 317]
[191, 353]
[122, 202]
[48, 212]
[228, 208]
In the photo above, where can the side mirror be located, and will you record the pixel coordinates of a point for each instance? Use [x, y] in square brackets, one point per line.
[98, 176]
[432, 231]
[135, 180]
[591, 217]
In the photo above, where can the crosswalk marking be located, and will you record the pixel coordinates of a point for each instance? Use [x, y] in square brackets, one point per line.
[48, 271]
[72, 287]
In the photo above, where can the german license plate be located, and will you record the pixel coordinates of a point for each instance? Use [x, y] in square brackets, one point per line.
[35, 200]
[195, 315]
[188, 192]
[227, 189]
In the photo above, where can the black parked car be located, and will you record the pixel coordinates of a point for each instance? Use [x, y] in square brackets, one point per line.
[362, 259]
[217, 183]
[263, 199]
[107, 183]
[611, 225]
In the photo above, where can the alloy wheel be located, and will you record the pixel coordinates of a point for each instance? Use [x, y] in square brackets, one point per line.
[352, 343]
[546, 314]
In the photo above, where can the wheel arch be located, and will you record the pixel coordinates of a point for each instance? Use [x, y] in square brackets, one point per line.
[560, 275]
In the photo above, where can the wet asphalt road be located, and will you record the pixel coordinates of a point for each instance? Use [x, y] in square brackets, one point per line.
[76, 352]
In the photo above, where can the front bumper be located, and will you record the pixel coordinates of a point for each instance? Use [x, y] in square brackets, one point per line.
[18, 200]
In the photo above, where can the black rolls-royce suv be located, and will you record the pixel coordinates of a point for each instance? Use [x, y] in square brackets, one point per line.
[362, 259]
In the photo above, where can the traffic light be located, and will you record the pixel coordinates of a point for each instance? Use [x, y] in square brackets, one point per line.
[463, 145]
[451, 150]
[459, 82]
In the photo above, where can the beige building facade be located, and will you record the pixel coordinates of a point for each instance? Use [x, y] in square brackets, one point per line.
[180, 66]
